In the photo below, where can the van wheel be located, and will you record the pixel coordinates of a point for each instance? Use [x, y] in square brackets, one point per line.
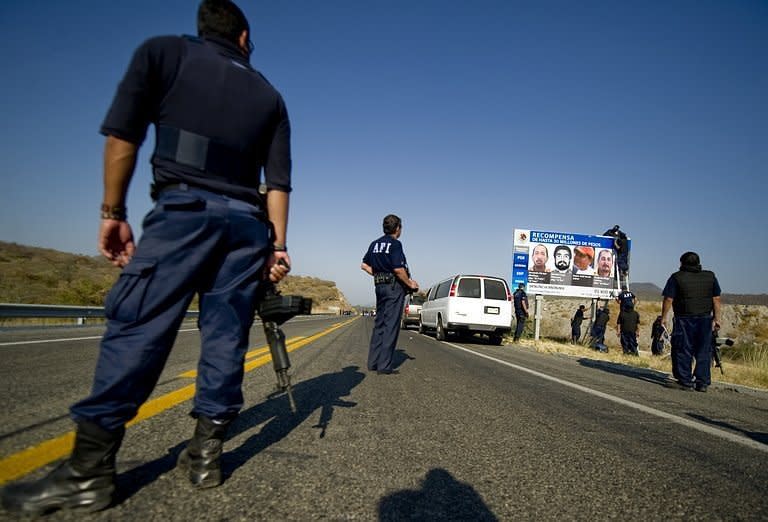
[421, 327]
[440, 331]
[496, 339]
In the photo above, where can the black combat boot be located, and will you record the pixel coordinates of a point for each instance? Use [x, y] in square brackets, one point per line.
[201, 459]
[85, 481]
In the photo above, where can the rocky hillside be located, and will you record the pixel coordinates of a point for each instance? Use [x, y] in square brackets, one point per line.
[32, 275]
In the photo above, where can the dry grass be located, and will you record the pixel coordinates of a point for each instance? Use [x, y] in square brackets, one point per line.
[746, 363]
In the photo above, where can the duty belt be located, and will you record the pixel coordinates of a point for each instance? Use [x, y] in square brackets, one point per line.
[383, 278]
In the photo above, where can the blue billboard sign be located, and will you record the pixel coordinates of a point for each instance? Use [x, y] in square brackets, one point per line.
[565, 264]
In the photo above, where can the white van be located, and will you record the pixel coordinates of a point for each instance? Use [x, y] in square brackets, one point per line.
[468, 304]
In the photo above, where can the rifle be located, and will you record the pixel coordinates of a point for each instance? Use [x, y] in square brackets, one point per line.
[274, 310]
[717, 342]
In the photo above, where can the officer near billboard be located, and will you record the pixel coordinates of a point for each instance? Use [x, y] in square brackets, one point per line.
[520, 300]
[212, 232]
[385, 261]
[694, 296]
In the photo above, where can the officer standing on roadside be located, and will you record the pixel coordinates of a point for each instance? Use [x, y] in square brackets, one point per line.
[520, 299]
[218, 123]
[385, 261]
[602, 316]
[578, 318]
[627, 328]
[694, 295]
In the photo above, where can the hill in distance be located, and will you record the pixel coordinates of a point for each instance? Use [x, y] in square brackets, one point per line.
[651, 292]
[32, 275]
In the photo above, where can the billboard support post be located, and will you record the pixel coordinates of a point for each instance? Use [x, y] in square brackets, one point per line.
[537, 313]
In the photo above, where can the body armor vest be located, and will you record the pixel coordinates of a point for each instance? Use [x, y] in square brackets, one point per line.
[212, 122]
[694, 293]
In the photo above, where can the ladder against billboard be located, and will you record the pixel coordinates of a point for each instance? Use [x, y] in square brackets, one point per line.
[565, 264]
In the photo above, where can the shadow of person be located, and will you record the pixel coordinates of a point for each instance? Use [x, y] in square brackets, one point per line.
[758, 436]
[322, 393]
[652, 376]
[399, 357]
[441, 497]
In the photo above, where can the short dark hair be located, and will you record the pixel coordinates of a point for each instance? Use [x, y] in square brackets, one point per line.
[391, 223]
[690, 259]
[563, 247]
[221, 18]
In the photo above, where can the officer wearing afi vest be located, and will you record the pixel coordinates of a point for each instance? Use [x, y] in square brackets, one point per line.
[385, 261]
[218, 123]
[694, 295]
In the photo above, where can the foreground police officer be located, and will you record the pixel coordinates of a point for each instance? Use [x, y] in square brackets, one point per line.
[218, 123]
[694, 295]
[385, 261]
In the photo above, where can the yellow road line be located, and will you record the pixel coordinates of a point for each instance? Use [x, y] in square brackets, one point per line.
[191, 374]
[30, 459]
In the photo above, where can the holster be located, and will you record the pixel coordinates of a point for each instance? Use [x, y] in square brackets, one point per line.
[383, 278]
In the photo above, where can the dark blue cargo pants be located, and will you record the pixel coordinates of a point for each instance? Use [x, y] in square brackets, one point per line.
[691, 341]
[193, 242]
[386, 328]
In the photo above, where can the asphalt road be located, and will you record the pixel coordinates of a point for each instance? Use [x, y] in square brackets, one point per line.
[465, 431]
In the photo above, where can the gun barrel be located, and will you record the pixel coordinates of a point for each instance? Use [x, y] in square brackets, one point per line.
[280, 361]
[284, 382]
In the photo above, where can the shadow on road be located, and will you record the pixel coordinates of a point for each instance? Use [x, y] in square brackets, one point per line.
[399, 357]
[754, 435]
[324, 393]
[643, 374]
[441, 497]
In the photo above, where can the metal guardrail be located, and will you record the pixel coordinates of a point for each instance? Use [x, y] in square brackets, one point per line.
[17, 311]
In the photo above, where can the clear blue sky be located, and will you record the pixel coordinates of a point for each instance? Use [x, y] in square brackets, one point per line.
[467, 119]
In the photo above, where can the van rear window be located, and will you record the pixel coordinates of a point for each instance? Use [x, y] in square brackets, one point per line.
[417, 299]
[495, 289]
[468, 287]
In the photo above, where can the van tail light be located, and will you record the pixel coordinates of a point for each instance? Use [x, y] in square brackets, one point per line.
[407, 309]
[453, 290]
[509, 296]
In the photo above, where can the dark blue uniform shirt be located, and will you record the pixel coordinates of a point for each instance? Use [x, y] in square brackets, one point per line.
[384, 255]
[249, 119]
[519, 297]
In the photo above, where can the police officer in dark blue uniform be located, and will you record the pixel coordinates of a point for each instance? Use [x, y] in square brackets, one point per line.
[576, 321]
[213, 233]
[385, 261]
[621, 247]
[626, 298]
[520, 299]
[694, 295]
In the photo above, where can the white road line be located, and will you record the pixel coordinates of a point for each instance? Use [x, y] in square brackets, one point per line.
[727, 435]
[42, 341]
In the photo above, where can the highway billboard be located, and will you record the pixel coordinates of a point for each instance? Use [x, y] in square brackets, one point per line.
[565, 264]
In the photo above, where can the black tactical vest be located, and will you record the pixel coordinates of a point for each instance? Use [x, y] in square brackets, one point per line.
[694, 293]
[216, 143]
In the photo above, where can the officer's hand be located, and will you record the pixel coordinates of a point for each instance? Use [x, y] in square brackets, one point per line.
[414, 285]
[116, 241]
[279, 265]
